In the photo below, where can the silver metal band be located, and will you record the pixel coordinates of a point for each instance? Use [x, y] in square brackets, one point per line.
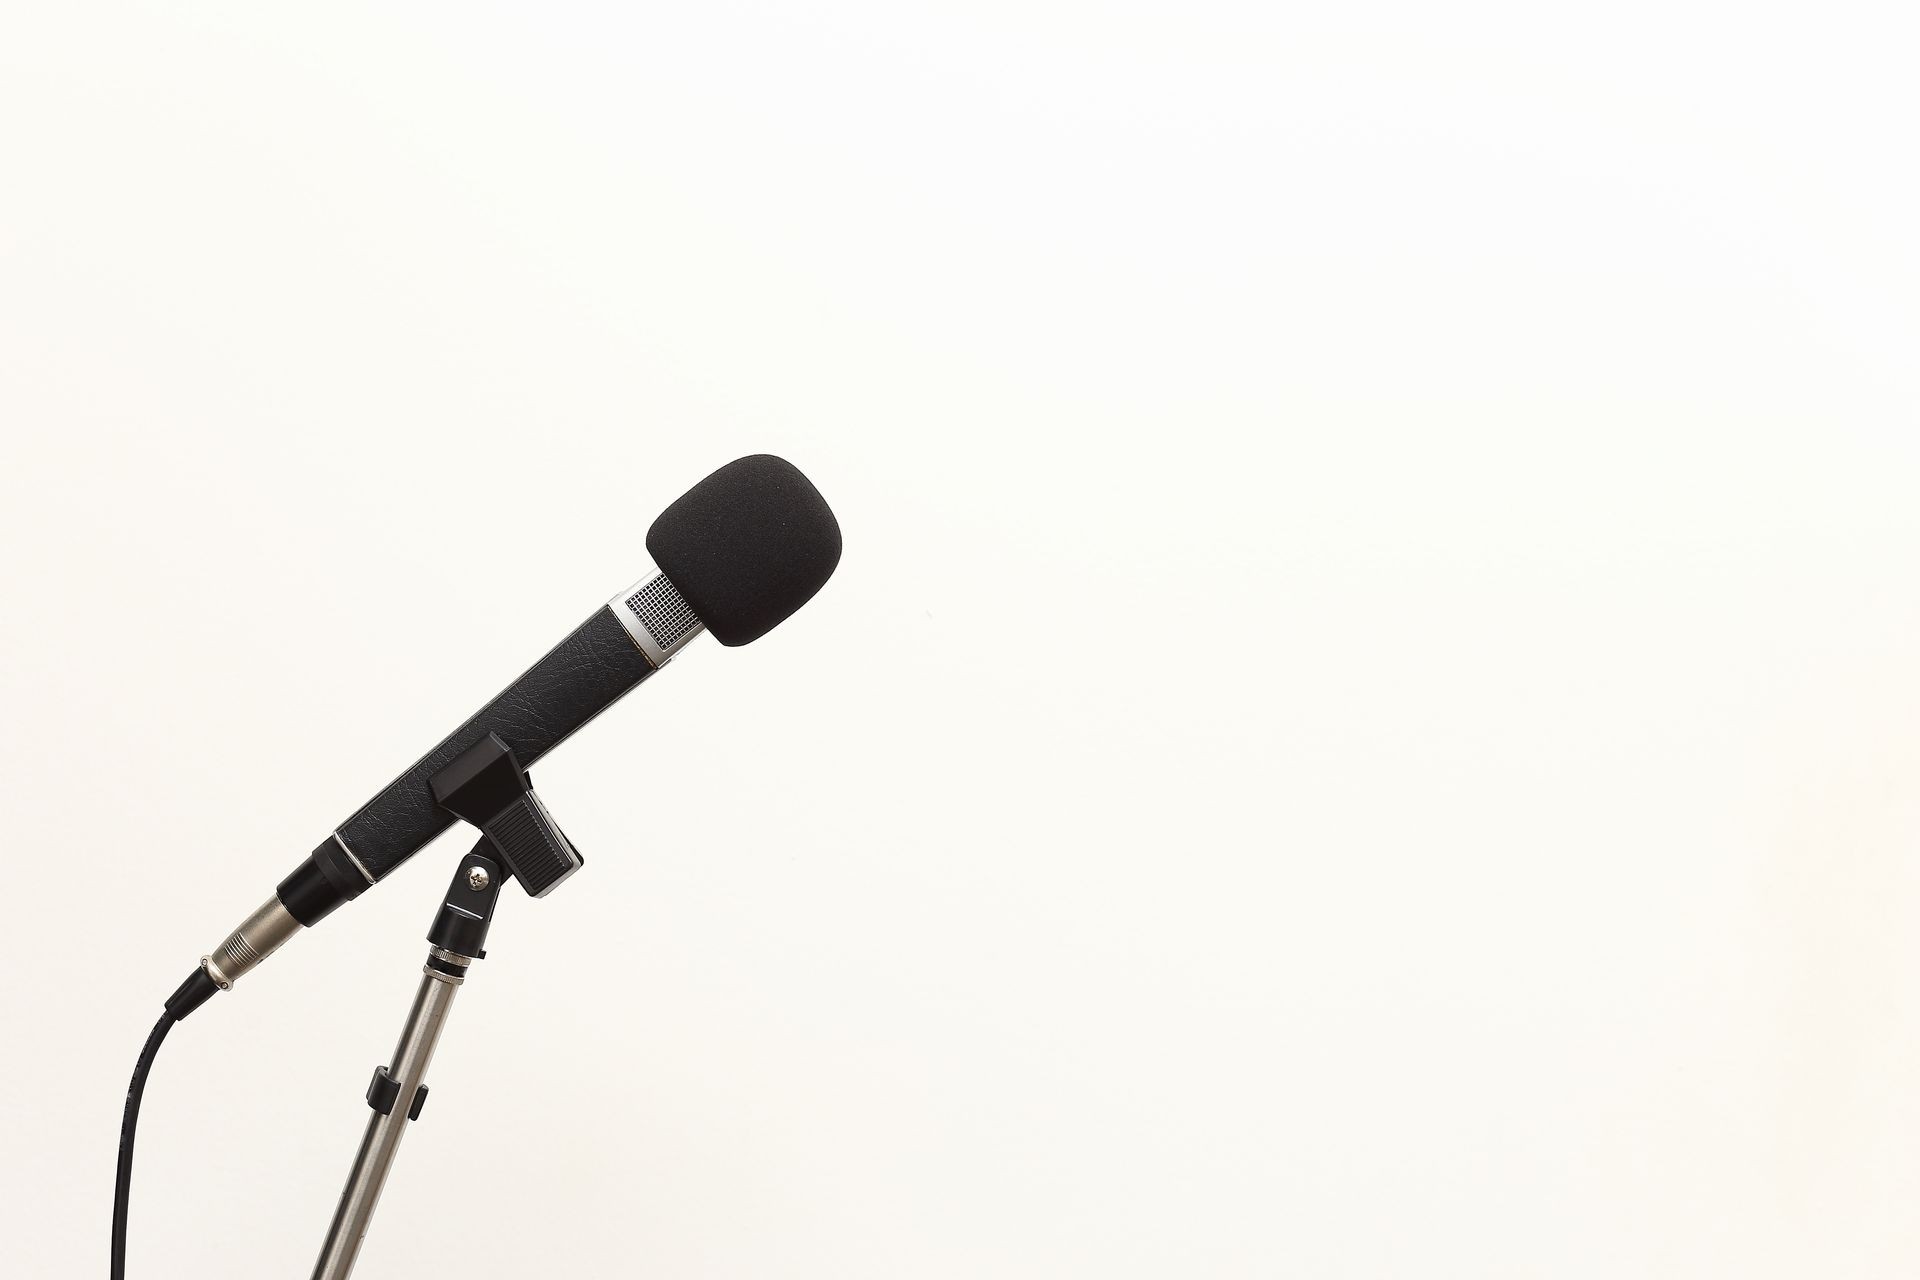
[358, 865]
[657, 616]
[450, 957]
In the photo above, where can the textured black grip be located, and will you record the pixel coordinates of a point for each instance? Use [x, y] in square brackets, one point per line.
[584, 675]
[539, 853]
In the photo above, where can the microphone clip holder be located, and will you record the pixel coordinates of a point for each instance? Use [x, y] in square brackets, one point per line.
[486, 786]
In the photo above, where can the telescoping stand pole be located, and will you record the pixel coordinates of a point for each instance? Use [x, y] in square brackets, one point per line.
[397, 1093]
[486, 786]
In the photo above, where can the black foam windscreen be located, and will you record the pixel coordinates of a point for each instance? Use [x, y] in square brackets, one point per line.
[747, 546]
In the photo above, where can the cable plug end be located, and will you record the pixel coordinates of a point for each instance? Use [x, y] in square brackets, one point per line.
[194, 992]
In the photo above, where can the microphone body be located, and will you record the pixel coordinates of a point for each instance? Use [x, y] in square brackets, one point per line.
[583, 675]
[579, 678]
[745, 547]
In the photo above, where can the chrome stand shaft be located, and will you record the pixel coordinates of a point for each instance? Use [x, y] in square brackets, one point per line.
[458, 938]
[385, 1129]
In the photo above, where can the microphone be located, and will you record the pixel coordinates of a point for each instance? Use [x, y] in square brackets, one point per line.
[735, 556]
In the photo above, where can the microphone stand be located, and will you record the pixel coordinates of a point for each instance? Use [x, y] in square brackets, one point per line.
[397, 1093]
[486, 786]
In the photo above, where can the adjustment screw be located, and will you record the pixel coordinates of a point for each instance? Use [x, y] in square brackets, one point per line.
[476, 878]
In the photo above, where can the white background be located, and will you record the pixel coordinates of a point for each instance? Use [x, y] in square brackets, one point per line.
[1369, 724]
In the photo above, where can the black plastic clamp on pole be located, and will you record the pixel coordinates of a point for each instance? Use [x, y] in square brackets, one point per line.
[460, 926]
[384, 1091]
[486, 786]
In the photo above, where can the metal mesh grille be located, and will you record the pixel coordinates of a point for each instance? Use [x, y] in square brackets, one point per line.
[663, 613]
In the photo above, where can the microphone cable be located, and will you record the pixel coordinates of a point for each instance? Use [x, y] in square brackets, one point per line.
[193, 993]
